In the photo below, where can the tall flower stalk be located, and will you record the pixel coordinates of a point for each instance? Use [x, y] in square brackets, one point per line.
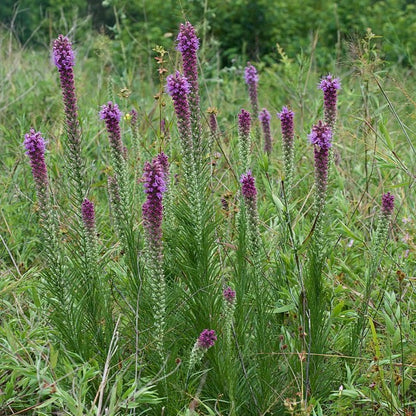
[206, 340]
[179, 89]
[287, 128]
[249, 195]
[213, 127]
[111, 115]
[188, 45]
[251, 77]
[64, 60]
[88, 219]
[265, 118]
[244, 141]
[152, 211]
[35, 150]
[379, 241]
[229, 301]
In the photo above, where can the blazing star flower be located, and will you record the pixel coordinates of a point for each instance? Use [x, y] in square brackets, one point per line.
[330, 85]
[64, 60]
[264, 118]
[286, 118]
[229, 294]
[248, 186]
[35, 146]
[154, 187]
[188, 45]
[387, 204]
[321, 137]
[178, 88]
[207, 339]
[88, 215]
[252, 79]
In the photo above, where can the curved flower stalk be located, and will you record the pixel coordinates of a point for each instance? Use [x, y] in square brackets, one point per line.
[64, 60]
[111, 114]
[249, 194]
[206, 340]
[244, 141]
[265, 118]
[152, 210]
[251, 77]
[188, 45]
[286, 119]
[330, 85]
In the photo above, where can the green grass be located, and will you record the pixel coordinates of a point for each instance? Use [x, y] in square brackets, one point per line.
[265, 368]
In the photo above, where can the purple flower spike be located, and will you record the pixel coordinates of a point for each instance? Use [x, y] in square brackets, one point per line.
[251, 78]
[207, 339]
[178, 88]
[264, 118]
[387, 204]
[35, 146]
[188, 45]
[88, 214]
[154, 187]
[134, 117]
[229, 294]
[248, 186]
[188, 42]
[244, 123]
[329, 86]
[250, 75]
[321, 135]
[111, 114]
[286, 118]
[63, 54]
[163, 161]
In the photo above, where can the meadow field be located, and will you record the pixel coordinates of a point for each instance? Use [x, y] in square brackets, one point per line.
[187, 235]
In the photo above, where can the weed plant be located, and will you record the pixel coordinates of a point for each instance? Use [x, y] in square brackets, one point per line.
[186, 259]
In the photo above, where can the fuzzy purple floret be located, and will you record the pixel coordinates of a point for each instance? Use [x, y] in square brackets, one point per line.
[177, 85]
[178, 88]
[187, 40]
[35, 149]
[321, 135]
[286, 118]
[111, 114]
[250, 75]
[207, 339]
[244, 123]
[387, 203]
[163, 161]
[248, 185]
[64, 61]
[152, 210]
[329, 86]
[229, 294]
[134, 117]
[88, 214]
[264, 116]
[63, 55]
